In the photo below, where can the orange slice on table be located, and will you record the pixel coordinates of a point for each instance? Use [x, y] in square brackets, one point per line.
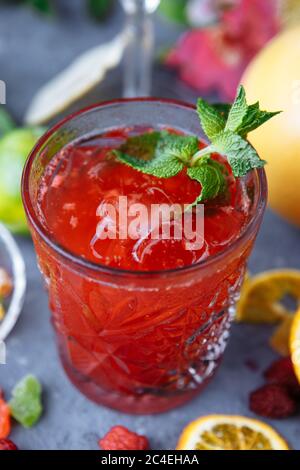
[261, 296]
[222, 432]
[261, 302]
[295, 344]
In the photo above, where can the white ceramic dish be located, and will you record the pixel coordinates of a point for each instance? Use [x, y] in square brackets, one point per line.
[12, 261]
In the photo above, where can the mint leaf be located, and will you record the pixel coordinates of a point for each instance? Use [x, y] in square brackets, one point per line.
[237, 111]
[164, 154]
[241, 155]
[223, 109]
[253, 119]
[164, 166]
[244, 118]
[240, 119]
[182, 146]
[211, 176]
[141, 146]
[211, 119]
[158, 154]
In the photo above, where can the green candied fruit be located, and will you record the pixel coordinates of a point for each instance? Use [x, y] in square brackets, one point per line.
[25, 404]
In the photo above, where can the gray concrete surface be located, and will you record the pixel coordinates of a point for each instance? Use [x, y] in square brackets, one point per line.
[31, 51]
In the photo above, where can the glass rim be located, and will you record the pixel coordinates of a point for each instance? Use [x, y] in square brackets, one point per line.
[77, 260]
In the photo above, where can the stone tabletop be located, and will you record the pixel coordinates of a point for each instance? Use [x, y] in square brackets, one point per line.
[32, 50]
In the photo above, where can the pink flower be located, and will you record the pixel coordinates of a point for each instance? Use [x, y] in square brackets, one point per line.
[213, 59]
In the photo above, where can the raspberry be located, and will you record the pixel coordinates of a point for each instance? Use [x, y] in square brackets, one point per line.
[272, 401]
[120, 438]
[4, 418]
[6, 444]
[282, 372]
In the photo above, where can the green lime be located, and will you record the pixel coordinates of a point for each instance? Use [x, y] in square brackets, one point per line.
[14, 149]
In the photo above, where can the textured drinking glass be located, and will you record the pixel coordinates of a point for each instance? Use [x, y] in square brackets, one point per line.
[140, 342]
[139, 48]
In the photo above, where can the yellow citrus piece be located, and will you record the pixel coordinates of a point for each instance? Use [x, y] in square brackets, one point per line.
[73, 83]
[261, 296]
[222, 432]
[272, 78]
[295, 344]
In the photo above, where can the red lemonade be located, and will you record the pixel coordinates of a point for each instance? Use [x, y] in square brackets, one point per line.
[83, 177]
[141, 323]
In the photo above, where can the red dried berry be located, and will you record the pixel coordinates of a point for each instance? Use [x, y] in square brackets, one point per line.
[120, 438]
[6, 444]
[272, 401]
[282, 372]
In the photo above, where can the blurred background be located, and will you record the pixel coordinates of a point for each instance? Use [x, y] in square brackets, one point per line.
[57, 56]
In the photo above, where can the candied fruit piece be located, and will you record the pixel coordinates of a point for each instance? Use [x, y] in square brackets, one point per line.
[25, 403]
[272, 401]
[7, 444]
[120, 438]
[282, 372]
[5, 283]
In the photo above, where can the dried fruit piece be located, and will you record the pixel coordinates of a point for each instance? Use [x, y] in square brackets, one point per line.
[221, 432]
[5, 290]
[5, 283]
[7, 444]
[4, 418]
[272, 401]
[120, 438]
[282, 372]
[25, 403]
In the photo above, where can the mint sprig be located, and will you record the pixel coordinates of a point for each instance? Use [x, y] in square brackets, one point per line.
[164, 154]
[159, 154]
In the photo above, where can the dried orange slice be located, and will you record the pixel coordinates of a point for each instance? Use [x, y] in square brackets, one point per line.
[261, 296]
[221, 432]
[295, 344]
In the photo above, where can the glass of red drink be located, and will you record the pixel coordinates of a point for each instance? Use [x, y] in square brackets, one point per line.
[138, 331]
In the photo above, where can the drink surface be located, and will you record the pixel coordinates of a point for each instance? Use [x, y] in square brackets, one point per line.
[84, 177]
